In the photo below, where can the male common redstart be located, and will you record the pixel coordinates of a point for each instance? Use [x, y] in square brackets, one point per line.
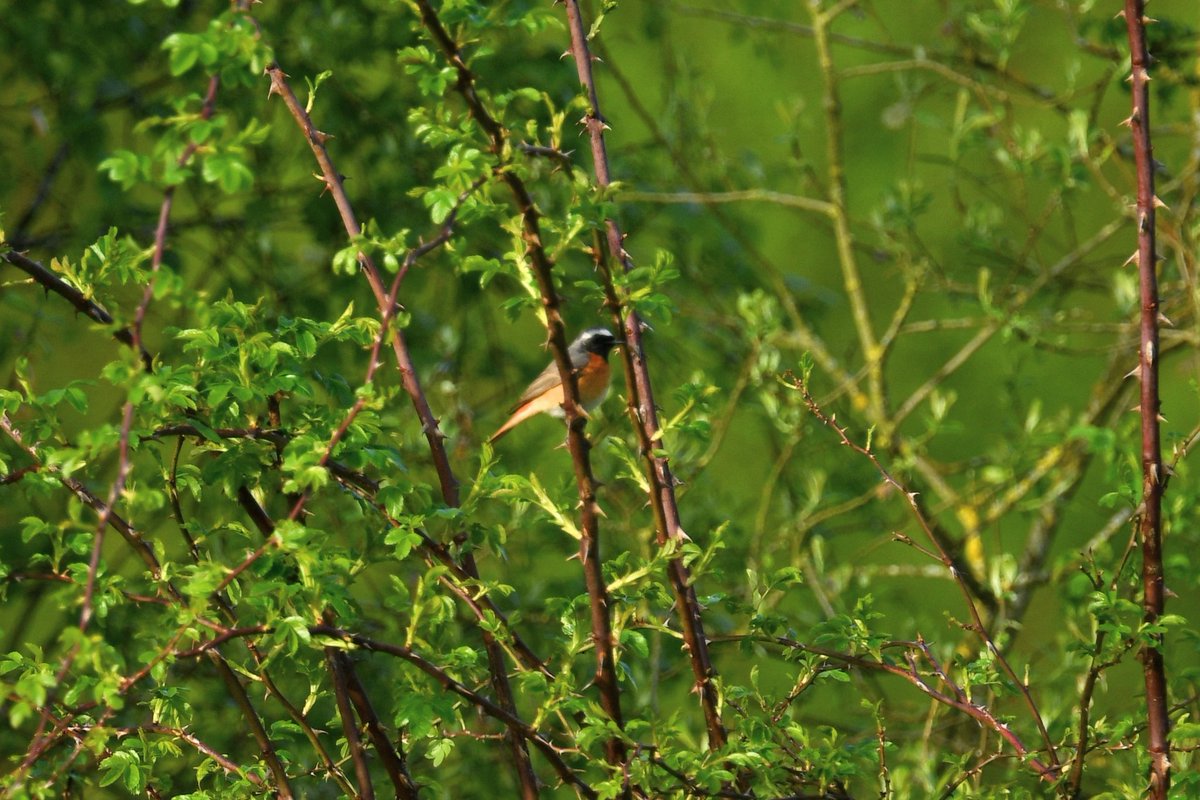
[589, 361]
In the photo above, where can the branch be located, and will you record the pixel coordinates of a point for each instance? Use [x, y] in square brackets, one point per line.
[1150, 521]
[873, 353]
[954, 695]
[542, 266]
[942, 555]
[333, 182]
[412, 386]
[89, 308]
[643, 412]
[514, 723]
[185, 736]
[348, 689]
[337, 668]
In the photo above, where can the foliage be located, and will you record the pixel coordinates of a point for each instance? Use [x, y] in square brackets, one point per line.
[878, 250]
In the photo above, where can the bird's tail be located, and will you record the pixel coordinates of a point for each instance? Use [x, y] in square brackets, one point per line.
[520, 415]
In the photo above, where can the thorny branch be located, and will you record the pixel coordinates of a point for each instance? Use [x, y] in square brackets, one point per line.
[1150, 519]
[51, 282]
[412, 385]
[542, 267]
[643, 412]
[977, 624]
[949, 694]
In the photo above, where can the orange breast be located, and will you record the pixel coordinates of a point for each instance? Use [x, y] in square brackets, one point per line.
[593, 381]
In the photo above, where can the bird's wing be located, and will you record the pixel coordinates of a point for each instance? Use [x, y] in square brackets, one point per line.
[550, 377]
[541, 384]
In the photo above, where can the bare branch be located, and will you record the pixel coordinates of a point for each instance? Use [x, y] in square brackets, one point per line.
[643, 412]
[1150, 519]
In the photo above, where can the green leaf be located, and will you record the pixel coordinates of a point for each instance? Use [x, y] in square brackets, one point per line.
[228, 171]
[184, 52]
[123, 167]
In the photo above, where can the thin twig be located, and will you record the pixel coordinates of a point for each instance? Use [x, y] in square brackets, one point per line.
[977, 626]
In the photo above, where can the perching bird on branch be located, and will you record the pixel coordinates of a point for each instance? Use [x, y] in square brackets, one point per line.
[589, 362]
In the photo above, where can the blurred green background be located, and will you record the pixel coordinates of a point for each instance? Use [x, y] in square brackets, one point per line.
[988, 189]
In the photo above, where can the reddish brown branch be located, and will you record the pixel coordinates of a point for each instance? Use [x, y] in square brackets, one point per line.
[642, 410]
[941, 554]
[950, 694]
[542, 267]
[333, 182]
[1150, 520]
[412, 386]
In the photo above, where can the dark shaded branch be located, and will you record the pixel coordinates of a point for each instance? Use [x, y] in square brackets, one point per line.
[276, 437]
[238, 693]
[89, 308]
[514, 723]
[348, 689]
[25, 221]
[362, 772]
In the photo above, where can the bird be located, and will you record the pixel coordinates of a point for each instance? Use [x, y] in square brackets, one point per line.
[588, 355]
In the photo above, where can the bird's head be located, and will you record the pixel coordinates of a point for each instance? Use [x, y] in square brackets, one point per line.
[596, 340]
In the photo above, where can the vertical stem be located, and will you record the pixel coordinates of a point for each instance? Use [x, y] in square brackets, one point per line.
[643, 411]
[541, 265]
[844, 239]
[429, 423]
[358, 755]
[281, 786]
[1150, 522]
